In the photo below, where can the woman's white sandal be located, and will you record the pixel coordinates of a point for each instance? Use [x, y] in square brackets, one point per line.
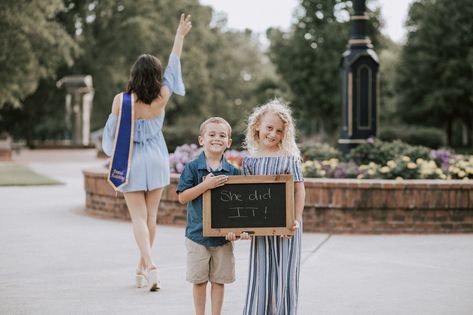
[141, 280]
[153, 282]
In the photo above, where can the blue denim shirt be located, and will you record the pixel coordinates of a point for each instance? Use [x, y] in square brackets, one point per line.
[191, 176]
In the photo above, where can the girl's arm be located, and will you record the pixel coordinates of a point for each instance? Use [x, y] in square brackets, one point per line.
[299, 200]
[183, 29]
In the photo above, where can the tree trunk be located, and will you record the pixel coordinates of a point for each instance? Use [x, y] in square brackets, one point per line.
[464, 134]
[448, 131]
[468, 124]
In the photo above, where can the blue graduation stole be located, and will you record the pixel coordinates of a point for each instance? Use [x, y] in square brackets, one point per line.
[123, 147]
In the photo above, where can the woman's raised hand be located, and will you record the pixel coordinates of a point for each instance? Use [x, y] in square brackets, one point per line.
[185, 25]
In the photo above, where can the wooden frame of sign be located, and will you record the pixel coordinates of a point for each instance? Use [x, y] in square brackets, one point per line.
[258, 205]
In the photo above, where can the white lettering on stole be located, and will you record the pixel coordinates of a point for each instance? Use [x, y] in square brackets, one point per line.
[118, 175]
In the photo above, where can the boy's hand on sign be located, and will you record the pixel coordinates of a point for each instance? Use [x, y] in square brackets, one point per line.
[212, 181]
[231, 236]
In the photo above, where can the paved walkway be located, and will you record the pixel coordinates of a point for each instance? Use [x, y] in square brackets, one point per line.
[56, 260]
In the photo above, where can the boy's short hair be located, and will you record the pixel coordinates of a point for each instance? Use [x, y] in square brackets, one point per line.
[216, 120]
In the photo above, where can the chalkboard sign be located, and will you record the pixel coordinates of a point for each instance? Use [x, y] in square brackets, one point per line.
[259, 205]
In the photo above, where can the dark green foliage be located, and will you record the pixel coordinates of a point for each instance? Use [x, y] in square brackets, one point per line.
[416, 135]
[434, 81]
[318, 151]
[33, 45]
[381, 152]
[308, 57]
[388, 67]
[224, 71]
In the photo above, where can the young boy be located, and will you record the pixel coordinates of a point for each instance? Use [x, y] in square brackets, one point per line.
[208, 258]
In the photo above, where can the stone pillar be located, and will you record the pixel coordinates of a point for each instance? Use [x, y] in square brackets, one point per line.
[360, 84]
[80, 93]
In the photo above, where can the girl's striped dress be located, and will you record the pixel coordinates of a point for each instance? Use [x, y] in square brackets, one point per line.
[273, 281]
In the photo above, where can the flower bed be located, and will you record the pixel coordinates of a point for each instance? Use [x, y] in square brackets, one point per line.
[381, 188]
[334, 205]
[374, 160]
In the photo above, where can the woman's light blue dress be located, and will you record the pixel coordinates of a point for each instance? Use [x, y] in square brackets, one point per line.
[150, 158]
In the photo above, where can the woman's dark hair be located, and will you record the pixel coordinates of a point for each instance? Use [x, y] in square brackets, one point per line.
[146, 78]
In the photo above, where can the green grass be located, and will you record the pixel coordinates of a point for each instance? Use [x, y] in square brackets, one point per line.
[12, 174]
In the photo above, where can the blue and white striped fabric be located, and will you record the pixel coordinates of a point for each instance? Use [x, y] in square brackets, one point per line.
[273, 280]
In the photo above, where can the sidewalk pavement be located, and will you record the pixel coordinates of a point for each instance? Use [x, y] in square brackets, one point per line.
[57, 260]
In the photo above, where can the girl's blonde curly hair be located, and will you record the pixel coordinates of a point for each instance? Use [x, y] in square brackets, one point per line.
[288, 145]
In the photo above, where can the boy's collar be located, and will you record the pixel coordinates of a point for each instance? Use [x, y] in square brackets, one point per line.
[202, 162]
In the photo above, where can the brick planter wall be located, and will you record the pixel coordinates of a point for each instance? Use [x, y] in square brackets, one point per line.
[5, 155]
[102, 200]
[388, 206]
[334, 205]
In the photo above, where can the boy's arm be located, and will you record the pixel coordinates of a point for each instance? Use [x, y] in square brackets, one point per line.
[184, 27]
[192, 193]
[211, 181]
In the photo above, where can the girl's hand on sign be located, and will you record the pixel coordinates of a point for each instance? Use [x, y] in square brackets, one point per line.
[245, 236]
[294, 227]
[231, 236]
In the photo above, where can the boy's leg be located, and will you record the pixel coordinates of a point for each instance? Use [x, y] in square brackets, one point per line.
[200, 292]
[216, 295]
[198, 258]
[222, 270]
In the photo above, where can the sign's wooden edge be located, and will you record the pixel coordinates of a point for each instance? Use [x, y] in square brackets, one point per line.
[208, 231]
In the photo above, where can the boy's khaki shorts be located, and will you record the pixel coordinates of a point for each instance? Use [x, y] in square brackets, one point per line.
[208, 263]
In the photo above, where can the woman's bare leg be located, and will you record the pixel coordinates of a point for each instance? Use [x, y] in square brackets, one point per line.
[153, 198]
[136, 204]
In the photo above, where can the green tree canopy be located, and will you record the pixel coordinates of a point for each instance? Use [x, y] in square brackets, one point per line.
[308, 57]
[33, 46]
[434, 81]
[225, 71]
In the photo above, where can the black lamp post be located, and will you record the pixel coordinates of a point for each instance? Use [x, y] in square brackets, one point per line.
[360, 84]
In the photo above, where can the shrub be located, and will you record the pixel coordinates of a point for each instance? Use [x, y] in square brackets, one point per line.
[442, 157]
[461, 167]
[380, 152]
[330, 169]
[318, 151]
[415, 135]
[183, 155]
[403, 168]
[235, 157]
[187, 152]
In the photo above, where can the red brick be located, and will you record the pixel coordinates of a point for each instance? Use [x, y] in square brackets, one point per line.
[462, 199]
